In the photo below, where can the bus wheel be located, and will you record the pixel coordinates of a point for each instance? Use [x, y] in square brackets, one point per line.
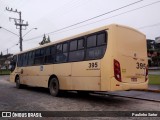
[18, 85]
[54, 87]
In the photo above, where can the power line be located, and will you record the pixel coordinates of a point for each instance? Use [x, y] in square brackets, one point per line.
[148, 26]
[119, 15]
[97, 16]
[88, 19]
[9, 48]
[95, 21]
[105, 19]
[9, 31]
[75, 5]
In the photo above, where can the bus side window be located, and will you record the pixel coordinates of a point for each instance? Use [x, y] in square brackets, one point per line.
[22, 60]
[53, 54]
[37, 53]
[62, 53]
[42, 53]
[76, 56]
[96, 46]
[48, 51]
[59, 48]
[80, 44]
[101, 39]
[18, 61]
[25, 59]
[65, 47]
[73, 45]
[48, 58]
[91, 41]
[30, 58]
[76, 52]
[39, 56]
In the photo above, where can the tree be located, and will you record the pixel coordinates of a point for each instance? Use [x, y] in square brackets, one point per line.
[45, 40]
[1, 54]
[48, 39]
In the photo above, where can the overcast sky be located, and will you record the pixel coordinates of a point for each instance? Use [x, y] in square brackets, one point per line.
[51, 15]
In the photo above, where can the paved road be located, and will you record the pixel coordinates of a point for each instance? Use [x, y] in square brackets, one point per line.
[39, 99]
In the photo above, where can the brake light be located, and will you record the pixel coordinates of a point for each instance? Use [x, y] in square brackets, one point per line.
[146, 77]
[117, 70]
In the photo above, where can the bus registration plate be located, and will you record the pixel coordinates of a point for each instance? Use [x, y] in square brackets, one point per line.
[134, 79]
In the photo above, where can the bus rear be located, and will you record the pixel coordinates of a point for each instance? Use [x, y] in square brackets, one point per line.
[129, 59]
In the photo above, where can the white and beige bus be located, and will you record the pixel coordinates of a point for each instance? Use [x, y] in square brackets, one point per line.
[110, 58]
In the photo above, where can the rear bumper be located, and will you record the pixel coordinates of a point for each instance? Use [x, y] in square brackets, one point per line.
[118, 86]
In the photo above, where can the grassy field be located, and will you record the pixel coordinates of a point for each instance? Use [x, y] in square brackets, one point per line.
[4, 72]
[154, 79]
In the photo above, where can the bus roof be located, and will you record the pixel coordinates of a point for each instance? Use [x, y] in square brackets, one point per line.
[79, 35]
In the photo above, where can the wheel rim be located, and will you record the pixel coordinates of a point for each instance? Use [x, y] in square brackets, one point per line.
[17, 82]
[54, 87]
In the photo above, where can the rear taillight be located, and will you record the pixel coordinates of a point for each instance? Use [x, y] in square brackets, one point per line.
[146, 77]
[117, 70]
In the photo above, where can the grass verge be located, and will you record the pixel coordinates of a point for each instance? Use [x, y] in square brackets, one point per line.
[154, 79]
[4, 72]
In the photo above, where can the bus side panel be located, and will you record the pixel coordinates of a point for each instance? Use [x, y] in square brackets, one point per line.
[37, 75]
[106, 62]
[45, 71]
[63, 72]
[86, 83]
[28, 72]
[86, 75]
[24, 76]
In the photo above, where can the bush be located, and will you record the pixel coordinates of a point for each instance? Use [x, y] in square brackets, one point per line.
[4, 72]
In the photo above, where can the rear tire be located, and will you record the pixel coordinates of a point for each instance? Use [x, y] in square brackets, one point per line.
[54, 87]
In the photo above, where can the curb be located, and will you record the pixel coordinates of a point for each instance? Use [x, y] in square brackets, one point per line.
[150, 90]
[156, 91]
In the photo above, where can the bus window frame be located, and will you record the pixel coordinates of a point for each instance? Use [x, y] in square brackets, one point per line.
[55, 54]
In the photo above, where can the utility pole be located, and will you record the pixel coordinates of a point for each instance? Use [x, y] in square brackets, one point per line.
[19, 25]
[7, 51]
